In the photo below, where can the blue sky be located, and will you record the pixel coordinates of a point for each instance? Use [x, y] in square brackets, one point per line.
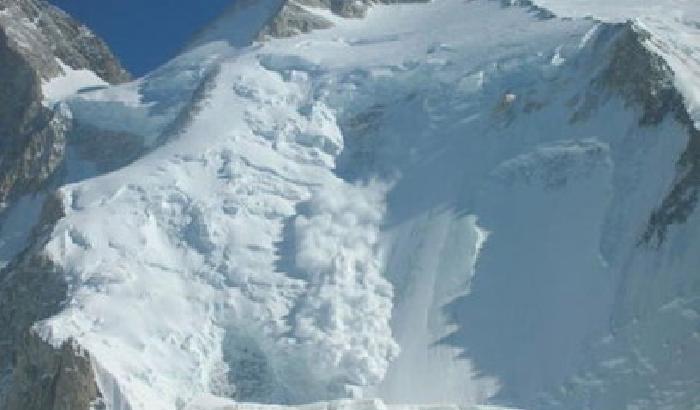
[144, 33]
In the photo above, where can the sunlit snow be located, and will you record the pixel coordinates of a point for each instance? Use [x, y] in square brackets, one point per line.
[403, 207]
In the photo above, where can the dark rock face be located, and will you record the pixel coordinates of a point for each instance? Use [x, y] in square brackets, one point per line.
[352, 8]
[293, 20]
[41, 32]
[37, 41]
[539, 12]
[646, 83]
[50, 378]
[33, 35]
[31, 138]
[642, 78]
[296, 17]
[30, 290]
[343, 8]
[682, 200]
[35, 375]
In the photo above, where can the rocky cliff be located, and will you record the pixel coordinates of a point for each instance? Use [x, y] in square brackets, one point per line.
[39, 42]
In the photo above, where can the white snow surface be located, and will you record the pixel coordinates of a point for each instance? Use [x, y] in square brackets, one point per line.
[216, 403]
[398, 207]
[69, 83]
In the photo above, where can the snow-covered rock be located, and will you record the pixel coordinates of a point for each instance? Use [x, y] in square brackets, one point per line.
[443, 202]
[44, 56]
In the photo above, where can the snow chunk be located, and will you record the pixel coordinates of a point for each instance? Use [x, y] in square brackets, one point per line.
[344, 316]
[68, 84]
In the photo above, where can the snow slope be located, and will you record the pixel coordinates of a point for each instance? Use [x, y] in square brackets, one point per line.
[434, 204]
[215, 403]
[673, 24]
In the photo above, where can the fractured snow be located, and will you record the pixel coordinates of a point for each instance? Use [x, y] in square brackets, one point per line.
[71, 82]
[400, 206]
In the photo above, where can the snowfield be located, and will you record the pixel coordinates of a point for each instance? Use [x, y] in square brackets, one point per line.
[433, 207]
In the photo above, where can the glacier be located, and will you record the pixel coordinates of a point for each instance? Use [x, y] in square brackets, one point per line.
[443, 205]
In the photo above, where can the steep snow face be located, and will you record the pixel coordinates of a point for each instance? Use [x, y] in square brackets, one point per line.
[70, 82]
[674, 25]
[434, 204]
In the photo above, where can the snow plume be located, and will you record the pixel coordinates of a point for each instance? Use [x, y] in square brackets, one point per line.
[343, 317]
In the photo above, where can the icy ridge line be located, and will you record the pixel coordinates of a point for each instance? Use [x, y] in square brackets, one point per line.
[685, 67]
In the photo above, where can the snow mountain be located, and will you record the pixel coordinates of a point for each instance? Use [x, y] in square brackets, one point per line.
[341, 204]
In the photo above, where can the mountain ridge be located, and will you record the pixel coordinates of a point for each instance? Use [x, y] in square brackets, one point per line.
[221, 151]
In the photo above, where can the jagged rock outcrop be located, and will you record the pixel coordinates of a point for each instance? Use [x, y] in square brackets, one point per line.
[642, 77]
[284, 18]
[37, 41]
[647, 360]
[296, 17]
[32, 137]
[41, 33]
[30, 290]
[293, 20]
[645, 82]
[49, 378]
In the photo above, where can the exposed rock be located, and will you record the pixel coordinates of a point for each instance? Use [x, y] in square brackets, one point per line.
[353, 8]
[540, 12]
[293, 20]
[31, 137]
[296, 17]
[31, 289]
[641, 77]
[683, 197]
[35, 39]
[41, 33]
[645, 82]
[343, 8]
[49, 378]
[280, 19]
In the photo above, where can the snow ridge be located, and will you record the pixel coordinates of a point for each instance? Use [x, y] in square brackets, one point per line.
[372, 210]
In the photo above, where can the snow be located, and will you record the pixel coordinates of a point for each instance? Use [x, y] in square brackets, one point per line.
[393, 208]
[147, 106]
[673, 24]
[72, 81]
[215, 403]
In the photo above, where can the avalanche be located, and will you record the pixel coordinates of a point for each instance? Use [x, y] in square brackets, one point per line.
[436, 204]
